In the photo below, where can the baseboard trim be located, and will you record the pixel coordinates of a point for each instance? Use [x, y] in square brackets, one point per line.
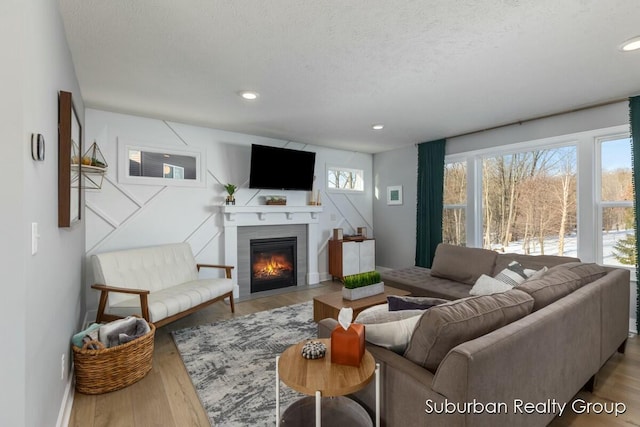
[64, 415]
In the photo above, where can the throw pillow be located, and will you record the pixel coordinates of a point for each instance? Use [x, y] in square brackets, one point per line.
[513, 275]
[486, 285]
[388, 329]
[397, 303]
[445, 326]
[535, 274]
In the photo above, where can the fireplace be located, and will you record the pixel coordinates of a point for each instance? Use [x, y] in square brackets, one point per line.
[273, 263]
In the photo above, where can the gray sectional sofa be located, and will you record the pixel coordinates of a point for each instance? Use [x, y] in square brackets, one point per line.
[512, 358]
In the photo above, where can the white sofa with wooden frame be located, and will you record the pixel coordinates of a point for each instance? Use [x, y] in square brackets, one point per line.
[160, 283]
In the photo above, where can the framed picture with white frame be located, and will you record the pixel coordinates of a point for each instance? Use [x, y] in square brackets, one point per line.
[394, 195]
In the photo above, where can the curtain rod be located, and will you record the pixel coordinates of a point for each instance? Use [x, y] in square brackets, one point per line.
[546, 116]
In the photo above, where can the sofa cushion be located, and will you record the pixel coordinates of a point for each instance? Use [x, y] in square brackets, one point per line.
[388, 329]
[587, 271]
[420, 282]
[462, 264]
[445, 326]
[151, 268]
[176, 299]
[398, 302]
[553, 285]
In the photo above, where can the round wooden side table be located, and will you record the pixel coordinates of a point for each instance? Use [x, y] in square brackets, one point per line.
[321, 378]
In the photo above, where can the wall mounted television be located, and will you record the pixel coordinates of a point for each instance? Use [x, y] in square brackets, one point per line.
[275, 168]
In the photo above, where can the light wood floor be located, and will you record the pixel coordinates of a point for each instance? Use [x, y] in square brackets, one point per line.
[166, 397]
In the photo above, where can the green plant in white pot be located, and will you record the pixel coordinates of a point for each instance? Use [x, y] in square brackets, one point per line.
[231, 189]
[362, 285]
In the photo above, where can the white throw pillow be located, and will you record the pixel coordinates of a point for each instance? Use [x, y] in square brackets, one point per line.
[487, 285]
[388, 329]
[535, 274]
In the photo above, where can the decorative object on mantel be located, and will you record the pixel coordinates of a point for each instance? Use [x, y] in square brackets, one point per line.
[318, 201]
[276, 200]
[94, 166]
[362, 285]
[231, 190]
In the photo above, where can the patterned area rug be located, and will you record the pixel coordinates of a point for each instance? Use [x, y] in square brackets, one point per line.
[232, 363]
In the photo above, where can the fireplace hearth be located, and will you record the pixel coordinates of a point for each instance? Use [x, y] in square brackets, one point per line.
[273, 263]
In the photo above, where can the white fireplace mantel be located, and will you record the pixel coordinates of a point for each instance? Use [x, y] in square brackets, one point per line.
[246, 216]
[269, 214]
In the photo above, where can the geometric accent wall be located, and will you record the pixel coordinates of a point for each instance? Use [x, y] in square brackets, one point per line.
[123, 216]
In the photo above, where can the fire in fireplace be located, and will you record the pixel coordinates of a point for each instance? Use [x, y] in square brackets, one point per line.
[273, 263]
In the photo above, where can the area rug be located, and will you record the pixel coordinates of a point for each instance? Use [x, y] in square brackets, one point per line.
[232, 363]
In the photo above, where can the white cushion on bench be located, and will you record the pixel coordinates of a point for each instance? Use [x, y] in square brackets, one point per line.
[176, 299]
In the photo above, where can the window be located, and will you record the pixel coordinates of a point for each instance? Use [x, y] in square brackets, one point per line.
[568, 195]
[455, 203]
[175, 166]
[529, 201]
[615, 202]
[345, 179]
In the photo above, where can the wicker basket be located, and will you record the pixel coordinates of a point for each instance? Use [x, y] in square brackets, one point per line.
[110, 369]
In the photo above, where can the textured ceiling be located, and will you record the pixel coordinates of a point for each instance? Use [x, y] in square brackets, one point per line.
[327, 70]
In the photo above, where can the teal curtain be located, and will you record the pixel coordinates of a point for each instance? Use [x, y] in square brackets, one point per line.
[634, 119]
[430, 193]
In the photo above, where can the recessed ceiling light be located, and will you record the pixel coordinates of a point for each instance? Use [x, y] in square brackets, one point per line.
[249, 94]
[377, 127]
[631, 44]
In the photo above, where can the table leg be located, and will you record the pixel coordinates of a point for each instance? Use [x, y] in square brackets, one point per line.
[277, 393]
[377, 395]
[318, 409]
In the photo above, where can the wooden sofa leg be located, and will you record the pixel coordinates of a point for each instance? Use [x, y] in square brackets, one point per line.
[233, 308]
[590, 385]
[622, 347]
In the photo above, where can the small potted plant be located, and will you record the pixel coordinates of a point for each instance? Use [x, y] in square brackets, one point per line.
[362, 285]
[231, 189]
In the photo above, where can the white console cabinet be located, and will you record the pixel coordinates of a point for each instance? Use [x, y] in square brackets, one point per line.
[348, 257]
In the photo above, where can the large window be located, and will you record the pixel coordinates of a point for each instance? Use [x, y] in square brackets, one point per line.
[455, 204]
[568, 195]
[529, 201]
[615, 202]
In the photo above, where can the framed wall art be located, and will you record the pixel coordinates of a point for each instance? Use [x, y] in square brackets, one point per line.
[69, 161]
[394, 195]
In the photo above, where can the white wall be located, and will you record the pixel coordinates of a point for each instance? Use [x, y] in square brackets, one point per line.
[123, 216]
[395, 225]
[42, 304]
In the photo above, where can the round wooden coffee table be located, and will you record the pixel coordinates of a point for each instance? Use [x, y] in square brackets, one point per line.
[322, 378]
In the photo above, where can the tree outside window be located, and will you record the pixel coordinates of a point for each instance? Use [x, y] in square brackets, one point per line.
[616, 202]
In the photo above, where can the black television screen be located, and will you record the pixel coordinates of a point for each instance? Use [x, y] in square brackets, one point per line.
[277, 168]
